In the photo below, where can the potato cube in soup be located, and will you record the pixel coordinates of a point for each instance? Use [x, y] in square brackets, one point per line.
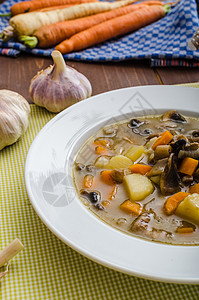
[119, 162]
[134, 152]
[138, 186]
[189, 208]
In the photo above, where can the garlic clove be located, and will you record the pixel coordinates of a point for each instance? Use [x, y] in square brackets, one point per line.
[59, 86]
[14, 117]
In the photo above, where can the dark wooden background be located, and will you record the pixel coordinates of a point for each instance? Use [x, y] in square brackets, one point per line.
[16, 73]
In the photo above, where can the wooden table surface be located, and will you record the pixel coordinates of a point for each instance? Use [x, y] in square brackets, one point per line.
[16, 73]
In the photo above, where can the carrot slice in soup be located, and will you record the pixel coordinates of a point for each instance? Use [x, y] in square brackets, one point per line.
[139, 168]
[106, 177]
[194, 188]
[163, 139]
[173, 201]
[131, 207]
[188, 165]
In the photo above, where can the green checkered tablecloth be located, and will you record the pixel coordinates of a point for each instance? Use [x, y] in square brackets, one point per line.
[47, 268]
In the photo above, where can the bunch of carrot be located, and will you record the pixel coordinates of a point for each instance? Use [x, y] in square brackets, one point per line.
[73, 25]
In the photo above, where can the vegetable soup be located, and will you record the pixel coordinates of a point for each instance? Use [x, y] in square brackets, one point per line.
[141, 176]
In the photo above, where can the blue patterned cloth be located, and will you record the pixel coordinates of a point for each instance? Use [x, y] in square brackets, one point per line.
[165, 39]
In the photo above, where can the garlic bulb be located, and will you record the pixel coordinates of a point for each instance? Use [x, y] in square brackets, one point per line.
[59, 86]
[14, 113]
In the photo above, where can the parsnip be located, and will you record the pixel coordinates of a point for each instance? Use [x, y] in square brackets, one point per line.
[26, 24]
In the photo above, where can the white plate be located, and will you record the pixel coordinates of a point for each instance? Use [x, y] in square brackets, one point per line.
[48, 177]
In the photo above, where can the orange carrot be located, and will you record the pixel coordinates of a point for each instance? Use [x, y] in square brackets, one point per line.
[88, 181]
[139, 168]
[163, 139]
[28, 6]
[106, 177]
[153, 2]
[113, 193]
[194, 188]
[50, 35]
[188, 166]
[185, 230]
[26, 24]
[111, 196]
[106, 203]
[101, 142]
[172, 202]
[112, 28]
[150, 2]
[131, 207]
[99, 150]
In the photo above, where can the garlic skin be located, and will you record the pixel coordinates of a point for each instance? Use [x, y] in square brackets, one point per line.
[59, 86]
[14, 115]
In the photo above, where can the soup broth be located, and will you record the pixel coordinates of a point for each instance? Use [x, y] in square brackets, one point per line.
[141, 176]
